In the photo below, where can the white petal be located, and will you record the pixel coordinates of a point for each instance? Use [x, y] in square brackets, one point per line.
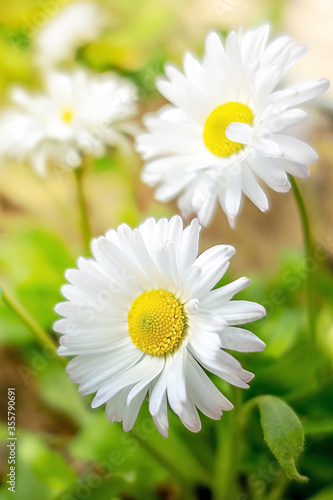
[238, 339]
[130, 377]
[297, 94]
[176, 388]
[147, 378]
[252, 189]
[233, 195]
[213, 268]
[270, 172]
[225, 293]
[295, 150]
[159, 390]
[296, 169]
[239, 132]
[189, 416]
[132, 410]
[203, 392]
[161, 417]
[190, 245]
[241, 311]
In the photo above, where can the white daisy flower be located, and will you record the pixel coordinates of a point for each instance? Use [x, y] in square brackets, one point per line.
[74, 26]
[142, 319]
[225, 127]
[80, 113]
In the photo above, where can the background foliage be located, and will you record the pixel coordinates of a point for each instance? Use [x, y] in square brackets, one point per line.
[67, 450]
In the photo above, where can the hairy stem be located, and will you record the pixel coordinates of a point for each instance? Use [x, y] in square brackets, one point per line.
[308, 246]
[31, 323]
[225, 485]
[85, 225]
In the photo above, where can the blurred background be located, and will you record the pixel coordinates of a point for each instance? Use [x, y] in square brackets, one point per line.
[62, 444]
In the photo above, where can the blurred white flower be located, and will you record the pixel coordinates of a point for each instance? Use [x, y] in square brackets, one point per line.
[142, 319]
[223, 130]
[74, 26]
[80, 113]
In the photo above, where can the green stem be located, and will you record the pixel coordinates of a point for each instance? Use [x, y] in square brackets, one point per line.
[85, 226]
[278, 489]
[225, 486]
[31, 323]
[309, 256]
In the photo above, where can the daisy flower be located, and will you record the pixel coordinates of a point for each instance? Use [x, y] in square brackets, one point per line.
[74, 26]
[142, 319]
[224, 130]
[80, 113]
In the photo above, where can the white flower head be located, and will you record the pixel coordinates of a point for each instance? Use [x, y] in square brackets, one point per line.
[80, 113]
[225, 127]
[74, 26]
[142, 318]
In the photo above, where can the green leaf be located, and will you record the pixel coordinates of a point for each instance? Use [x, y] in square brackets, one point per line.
[283, 433]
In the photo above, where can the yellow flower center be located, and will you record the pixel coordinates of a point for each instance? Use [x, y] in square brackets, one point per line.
[217, 123]
[156, 322]
[67, 116]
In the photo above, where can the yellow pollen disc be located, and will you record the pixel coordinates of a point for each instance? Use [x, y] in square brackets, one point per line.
[67, 116]
[217, 123]
[156, 322]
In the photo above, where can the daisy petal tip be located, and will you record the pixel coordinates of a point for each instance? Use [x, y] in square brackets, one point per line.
[64, 341]
[263, 208]
[127, 427]
[232, 222]
[229, 251]
[325, 84]
[176, 219]
[249, 376]
[193, 305]
[96, 402]
[261, 346]
[81, 390]
[61, 351]
[245, 281]
[153, 409]
[57, 308]
[195, 428]
[163, 431]
[195, 224]
[261, 311]
[212, 39]
[314, 158]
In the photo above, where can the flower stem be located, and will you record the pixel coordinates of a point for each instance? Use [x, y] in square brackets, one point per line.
[225, 486]
[30, 322]
[85, 226]
[309, 257]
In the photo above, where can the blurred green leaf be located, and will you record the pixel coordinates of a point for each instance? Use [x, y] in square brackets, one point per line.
[318, 427]
[51, 469]
[326, 494]
[35, 261]
[283, 433]
[41, 473]
[95, 488]
[59, 392]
